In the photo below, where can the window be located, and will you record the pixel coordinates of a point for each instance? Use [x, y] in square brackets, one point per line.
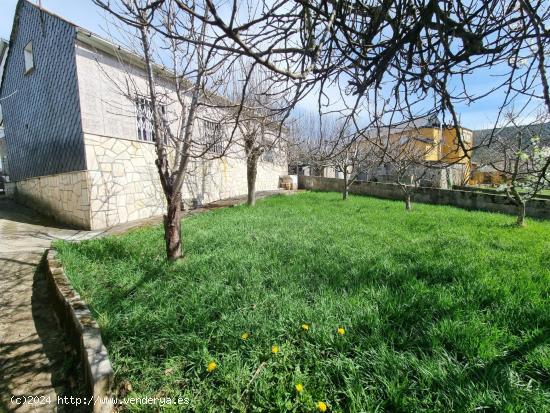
[269, 155]
[144, 115]
[214, 137]
[29, 58]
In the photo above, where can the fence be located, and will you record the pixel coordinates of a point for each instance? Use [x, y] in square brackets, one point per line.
[536, 208]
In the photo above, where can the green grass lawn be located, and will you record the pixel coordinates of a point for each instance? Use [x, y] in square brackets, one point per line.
[443, 309]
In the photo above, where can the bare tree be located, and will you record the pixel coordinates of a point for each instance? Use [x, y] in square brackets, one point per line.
[306, 142]
[260, 121]
[188, 116]
[524, 158]
[416, 52]
[405, 157]
[342, 149]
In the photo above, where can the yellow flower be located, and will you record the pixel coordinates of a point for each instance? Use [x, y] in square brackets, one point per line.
[299, 387]
[245, 336]
[274, 349]
[305, 327]
[211, 367]
[322, 406]
[341, 331]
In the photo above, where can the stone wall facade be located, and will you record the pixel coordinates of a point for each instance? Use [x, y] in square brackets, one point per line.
[64, 197]
[124, 182]
[537, 208]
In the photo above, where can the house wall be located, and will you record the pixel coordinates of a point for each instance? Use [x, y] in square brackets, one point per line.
[452, 152]
[4, 168]
[430, 149]
[41, 108]
[124, 182]
[64, 197]
[427, 151]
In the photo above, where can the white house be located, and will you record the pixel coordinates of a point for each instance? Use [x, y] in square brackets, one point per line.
[77, 147]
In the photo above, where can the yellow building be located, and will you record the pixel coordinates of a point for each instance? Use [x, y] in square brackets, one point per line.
[487, 175]
[426, 141]
[451, 150]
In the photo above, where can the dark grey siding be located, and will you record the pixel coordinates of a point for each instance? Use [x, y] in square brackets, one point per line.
[41, 109]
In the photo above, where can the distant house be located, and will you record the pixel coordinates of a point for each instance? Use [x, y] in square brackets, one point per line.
[77, 147]
[486, 175]
[488, 162]
[442, 161]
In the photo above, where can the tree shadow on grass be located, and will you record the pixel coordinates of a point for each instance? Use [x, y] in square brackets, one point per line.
[496, 373]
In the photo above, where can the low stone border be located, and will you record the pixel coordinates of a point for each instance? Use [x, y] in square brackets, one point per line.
[535, 208]
[492, 191]
[83, 331]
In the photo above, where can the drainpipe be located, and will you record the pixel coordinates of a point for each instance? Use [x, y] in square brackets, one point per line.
[440, 140]
[441, 152]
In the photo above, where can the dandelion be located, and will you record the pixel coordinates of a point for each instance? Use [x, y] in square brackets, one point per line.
[274, 349]
[322, 406]
[299, 387]
[211, 367]
[341, 331]
[245, 335]
[305, 327]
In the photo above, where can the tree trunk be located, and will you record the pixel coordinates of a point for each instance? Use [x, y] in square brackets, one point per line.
[408, 204]
[251, 172]
[172, 228]
[346, 186]
[521, 214]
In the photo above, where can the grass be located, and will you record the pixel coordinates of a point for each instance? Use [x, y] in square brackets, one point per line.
[443, 309]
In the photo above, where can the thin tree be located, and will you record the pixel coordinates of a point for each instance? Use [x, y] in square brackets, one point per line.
[404, 155]
[521, 154]
[344, 150]
[261, 117]
[188, 89]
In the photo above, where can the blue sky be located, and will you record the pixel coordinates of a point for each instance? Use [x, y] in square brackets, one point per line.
[82, 12]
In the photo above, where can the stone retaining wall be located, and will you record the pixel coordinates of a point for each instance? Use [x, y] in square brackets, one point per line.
[537, 208]
[490, 191]
[76, 319]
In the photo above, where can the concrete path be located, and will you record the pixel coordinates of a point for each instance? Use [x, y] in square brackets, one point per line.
[34, 360]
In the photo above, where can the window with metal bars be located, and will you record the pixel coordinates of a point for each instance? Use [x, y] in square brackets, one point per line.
[144, 117]
[214, 136]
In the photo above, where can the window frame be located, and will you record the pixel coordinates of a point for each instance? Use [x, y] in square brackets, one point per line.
[144, 119]
[214, 136]
[28, 56]
[269, 155]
